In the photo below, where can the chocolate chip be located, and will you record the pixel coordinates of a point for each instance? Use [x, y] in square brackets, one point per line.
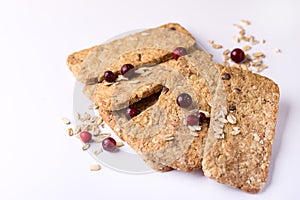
[91, 81]
[232, 107]
[225, 76]
[172, 28]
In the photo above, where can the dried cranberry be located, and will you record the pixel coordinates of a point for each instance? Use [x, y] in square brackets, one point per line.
[127, 70]
[237, 55]
[131, 112]
[192, 120]
[109, 76]
[179, 51]
[85, 136]
[201, 116]
[109, 144]
[184, 100]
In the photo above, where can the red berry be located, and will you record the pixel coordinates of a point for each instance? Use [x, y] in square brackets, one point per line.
[201, 116]
[131, 112]
[179, 51]
[192, 120]
[109, 76]
[237, 55]
[109, 144]
[85, 136]
[127, 70]
[184, 100]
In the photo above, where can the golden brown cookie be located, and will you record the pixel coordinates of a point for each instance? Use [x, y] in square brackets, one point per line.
[239, 142]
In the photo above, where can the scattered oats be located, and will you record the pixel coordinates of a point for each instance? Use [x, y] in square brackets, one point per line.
[98, 151]
[99, 139]
[242, 33]
[77, 130]
[99, 121]
[93, 106]
[86, 147]
[246, 48]
[263, 41]
[211, 41]
[226, 57]
[277, 50]
[238, 26]
[259, 54]
[119, 144]
[231, 119]
[95, 167]
[236, 39]
[93, 119]
[217, 46]
[105, 135]
[86, 117]
[246, 22]
[70, 132]
[226, 52]
[65, 120]
[255, 42]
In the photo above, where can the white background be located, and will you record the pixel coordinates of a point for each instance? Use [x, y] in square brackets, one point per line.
[37, 158]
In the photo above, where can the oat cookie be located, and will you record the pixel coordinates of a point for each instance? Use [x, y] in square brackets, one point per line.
[243, 118]
[160, 133]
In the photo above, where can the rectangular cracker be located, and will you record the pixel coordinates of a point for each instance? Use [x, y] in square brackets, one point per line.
[238, 152]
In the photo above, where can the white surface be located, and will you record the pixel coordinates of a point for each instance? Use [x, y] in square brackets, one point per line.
[39, 160]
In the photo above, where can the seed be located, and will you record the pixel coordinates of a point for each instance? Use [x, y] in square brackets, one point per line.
[226, 52]
[119, 144]
[95, 167]
[236, 39]
[246, 48]
[263, 41]
[277, 50]
[238, 26]
[217, 46]
[210, 41]
[246, 22]
[98, 151]
[86, 147]
[259, 54]
[70, 131]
